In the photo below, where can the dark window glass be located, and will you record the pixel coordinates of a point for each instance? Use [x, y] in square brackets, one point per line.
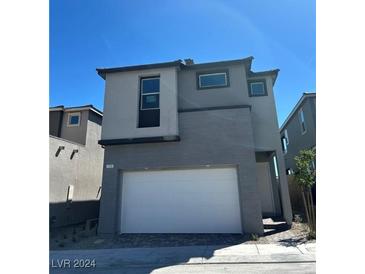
[149, 118]
[150, 101]
[74, 120]
[213, 80]
[150, 85]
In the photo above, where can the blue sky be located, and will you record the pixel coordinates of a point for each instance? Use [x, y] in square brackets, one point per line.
[86, 34]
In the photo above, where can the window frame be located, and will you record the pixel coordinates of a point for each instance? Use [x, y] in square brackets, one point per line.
[78, 114]
[212, 72]
[286, 137]
[300, 116]
[254, 81]
[284, 148]
[147, 94]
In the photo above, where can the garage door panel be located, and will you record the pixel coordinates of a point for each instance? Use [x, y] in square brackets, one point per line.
[181, 201]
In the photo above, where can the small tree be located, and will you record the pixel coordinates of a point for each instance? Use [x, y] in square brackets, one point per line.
[305, 176]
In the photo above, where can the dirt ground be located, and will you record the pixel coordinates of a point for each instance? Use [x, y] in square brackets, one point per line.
[76, 237]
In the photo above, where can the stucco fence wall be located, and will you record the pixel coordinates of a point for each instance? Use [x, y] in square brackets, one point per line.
[83, 171]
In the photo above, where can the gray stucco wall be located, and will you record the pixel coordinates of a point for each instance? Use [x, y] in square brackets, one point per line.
[297, 140]
[122, 94]
[75, 134]
[83, 171]
[225, 139]
[263, 113]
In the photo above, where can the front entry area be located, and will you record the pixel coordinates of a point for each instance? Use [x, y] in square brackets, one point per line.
[265, 188]
[198, 200]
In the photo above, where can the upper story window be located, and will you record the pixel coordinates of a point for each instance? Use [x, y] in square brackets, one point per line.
[149, 110]
[217, 79]
[257, 88]
[73, 119]
[285, 141]
[303, 126]
[150, 93]
[284, 144]
[286, 136]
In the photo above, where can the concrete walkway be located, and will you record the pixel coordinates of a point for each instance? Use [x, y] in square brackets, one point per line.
[112, 259]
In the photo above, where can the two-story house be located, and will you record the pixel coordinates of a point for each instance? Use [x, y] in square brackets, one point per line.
[191, 148]
[75, 164]
[298, 132]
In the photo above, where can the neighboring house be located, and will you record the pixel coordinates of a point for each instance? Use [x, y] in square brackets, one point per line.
[75, 164]
[298, 131]
[190, 148]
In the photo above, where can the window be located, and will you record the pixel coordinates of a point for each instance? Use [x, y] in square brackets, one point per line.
[73, 119]
[213, 80]
[285, 141]
[286, 136]
[257, 88]
[149, 109]
[284, 144]
[303, 126]
[276, 167]
[150, 93]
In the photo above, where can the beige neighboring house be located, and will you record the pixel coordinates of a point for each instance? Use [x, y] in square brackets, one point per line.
[75, 164]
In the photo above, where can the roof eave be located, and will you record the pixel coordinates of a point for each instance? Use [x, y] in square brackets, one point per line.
[273, 73]
[297, 105]
[103, 71]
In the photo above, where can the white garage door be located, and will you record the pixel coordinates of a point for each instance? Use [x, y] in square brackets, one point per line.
[181, 201]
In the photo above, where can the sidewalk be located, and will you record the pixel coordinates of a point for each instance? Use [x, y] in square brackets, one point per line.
[190, 255]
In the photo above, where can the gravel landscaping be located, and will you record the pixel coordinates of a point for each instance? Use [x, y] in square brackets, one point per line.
[274, 232]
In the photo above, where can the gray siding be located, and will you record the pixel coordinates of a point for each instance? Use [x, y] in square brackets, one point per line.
[55, 121]
[297, 140]
[225, 139]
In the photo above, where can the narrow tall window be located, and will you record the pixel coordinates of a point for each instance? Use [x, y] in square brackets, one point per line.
[149, 105]
[284, 144]
[303, 126]
[286, 136]
[276, 167]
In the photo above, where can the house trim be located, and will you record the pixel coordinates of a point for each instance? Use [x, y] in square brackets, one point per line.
[296, 107]
[249, 82]
[213, 108]
[127, 141]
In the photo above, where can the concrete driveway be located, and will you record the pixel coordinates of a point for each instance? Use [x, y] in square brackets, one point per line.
[254, 258]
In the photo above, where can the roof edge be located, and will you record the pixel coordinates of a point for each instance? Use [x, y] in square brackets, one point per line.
[305, 95]
[274, 73]
[90, 107]
[103, 71]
